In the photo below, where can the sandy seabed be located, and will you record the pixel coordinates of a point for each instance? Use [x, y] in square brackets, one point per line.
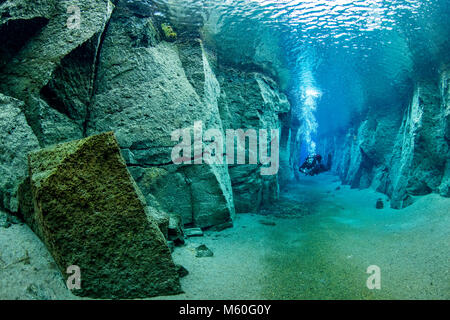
[320, 247]
[315, 243]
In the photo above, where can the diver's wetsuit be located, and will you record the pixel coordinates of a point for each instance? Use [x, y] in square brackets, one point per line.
[312, 165]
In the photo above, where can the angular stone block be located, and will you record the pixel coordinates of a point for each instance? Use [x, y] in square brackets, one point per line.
[90, 213]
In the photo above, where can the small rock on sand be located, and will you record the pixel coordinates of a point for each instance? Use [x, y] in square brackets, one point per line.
[267, 223]
[203, 251]
[222, 226]
[380, 204]
[4, 223]
[6, 220]
[182, 271]
[193, 232]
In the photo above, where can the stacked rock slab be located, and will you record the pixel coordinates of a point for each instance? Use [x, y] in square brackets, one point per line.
[90, 213]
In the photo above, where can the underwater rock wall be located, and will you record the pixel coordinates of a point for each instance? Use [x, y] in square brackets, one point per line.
[35, 44]
[29, 70]
[143, 94]
[401, 150]
[16, 135]
[122, 71]
[444, 188]
[251, 101]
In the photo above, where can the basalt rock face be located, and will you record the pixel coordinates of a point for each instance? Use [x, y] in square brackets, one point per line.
[16, 140]
[444, 188]
[43, 39]
[144, 92]
[251, 101]
[400, 151]
[421, 151]
[289, 149]
[90, 213]
[115, 72]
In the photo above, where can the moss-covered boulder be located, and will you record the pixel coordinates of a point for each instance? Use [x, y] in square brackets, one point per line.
[90, 213]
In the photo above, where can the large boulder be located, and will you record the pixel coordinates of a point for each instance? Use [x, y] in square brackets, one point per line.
[16, 140]
[90, 213]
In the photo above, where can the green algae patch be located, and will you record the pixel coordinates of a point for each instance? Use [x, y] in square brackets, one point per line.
[90, 213]
[169, 34]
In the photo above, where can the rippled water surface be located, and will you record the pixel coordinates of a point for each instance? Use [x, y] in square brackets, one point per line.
[345, 24]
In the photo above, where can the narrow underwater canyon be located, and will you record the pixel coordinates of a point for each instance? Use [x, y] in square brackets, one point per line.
[162, 148]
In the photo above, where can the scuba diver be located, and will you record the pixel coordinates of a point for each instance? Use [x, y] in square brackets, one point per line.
[313, 165]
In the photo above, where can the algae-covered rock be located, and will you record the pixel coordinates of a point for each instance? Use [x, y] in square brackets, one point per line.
[203, 251]
[90, 213]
